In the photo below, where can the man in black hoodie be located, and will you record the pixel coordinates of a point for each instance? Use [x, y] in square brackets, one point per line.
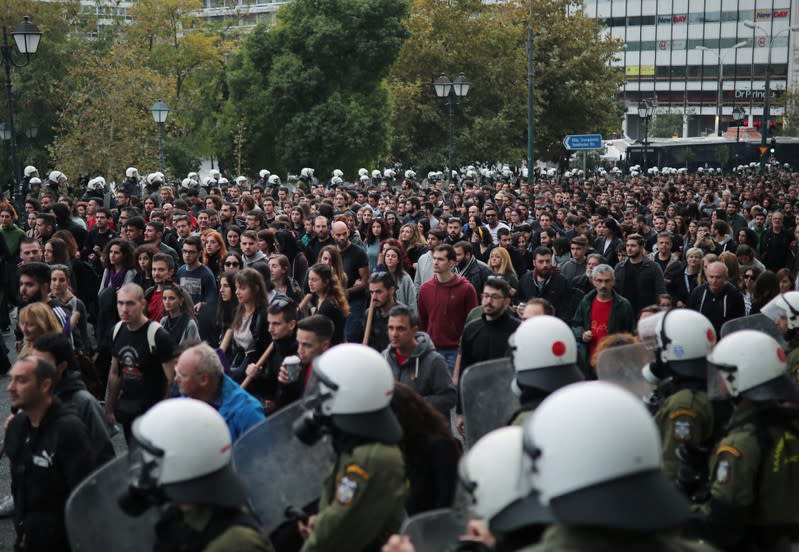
[70, 390]
[717, 299]
[65, 222]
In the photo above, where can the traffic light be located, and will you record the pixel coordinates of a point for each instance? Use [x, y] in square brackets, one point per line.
[773, 147]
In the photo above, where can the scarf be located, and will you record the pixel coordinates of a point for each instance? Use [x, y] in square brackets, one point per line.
[176, 326]
[115, 278]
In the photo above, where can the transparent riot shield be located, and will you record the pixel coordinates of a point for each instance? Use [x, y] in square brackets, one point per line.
[757, 322]
[487, 399]
[278, 469]
[436, 530]
[94, 519]
[623, 366]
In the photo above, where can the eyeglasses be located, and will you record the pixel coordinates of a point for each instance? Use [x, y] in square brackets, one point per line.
[232, 263]
[493, 296]
[189, 252]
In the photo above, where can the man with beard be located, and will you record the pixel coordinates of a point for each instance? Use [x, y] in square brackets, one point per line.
[50, 454]
[382, 289]
[34, 286]
[356, 267]
[601, 312]
[543, 281]
[638, 278]
[487, 337]
[454, 231]
[321, 238]
[471, 268]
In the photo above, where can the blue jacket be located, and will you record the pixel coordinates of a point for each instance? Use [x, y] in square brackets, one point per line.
[240, 410]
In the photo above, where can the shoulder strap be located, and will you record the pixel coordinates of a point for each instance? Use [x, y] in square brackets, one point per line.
[152, 329]
[117, 327]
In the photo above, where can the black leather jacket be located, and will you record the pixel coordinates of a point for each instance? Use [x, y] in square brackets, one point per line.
[240, 358]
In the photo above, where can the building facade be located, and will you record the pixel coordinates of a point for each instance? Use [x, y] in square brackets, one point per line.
[680, 53]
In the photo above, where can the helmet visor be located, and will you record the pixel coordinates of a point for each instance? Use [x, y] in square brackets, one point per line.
[145, 463]
[721, 381]
[780, 308]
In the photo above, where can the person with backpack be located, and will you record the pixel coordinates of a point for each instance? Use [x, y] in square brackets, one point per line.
[142, 365]
[754, 473]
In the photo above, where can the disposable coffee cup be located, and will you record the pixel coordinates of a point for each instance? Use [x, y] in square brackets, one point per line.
[292, 364]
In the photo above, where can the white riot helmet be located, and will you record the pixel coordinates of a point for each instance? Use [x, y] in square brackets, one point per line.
[263, 173]
[223, 182]
[155, 178]
[194, 176]
[97, 183]
[389, 174]
[241, 181]
[544, 354]
[214, 174]
[365, 179]
[410, 174]
[338, 173]
[188, 183]
[681, 339]
[376, 174]
[363, 172]
[784, 304]
[57, 177]
[501, 492]
[274, 180]
[182, 453]
[30, 171]
[35, 181]
[336, 181]
[353, 394]
[307, 173]
[750, 364]
[597, 461]
[132, 172]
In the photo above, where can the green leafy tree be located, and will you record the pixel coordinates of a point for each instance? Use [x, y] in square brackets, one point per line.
[311, 90]
[574, 90]
[666, 125]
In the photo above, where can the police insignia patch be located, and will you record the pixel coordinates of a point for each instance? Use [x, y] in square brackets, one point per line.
[346, 490]
[723, 472]
[682, 430]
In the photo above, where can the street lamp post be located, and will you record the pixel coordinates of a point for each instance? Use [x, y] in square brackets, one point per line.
[645, 110]
[738, 114]
[26, 36]
[720, 57]
[767, 95]
[160, 112]
[452, 90]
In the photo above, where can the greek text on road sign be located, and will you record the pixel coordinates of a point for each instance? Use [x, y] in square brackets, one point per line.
[582, 141]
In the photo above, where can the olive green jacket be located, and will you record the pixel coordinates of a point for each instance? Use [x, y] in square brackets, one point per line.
[363, 501]
[685, 417]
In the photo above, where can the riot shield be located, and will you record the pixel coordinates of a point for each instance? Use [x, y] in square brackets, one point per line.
[758, 322]
[486, 396]
[436, 530]
[623, 366]
[278, 469]
[94, 519]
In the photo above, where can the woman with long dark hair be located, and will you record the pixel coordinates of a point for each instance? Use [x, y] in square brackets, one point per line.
[119, 264]
[329, 298]
[287, 245]
[144, 265]
[767, 287]
[61, 289]
[430, 451]
[376, 232]
[179, 320]
[279, 274]
[414, 244]
[226, 307]
[249, 334]
[392, 263]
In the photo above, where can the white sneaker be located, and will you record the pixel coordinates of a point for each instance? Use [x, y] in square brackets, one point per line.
[7, 506]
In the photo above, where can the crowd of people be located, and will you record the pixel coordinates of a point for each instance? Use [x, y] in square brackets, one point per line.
[232, 292]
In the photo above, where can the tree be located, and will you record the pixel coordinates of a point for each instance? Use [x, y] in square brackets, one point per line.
[311, 90]
[575, 84]
[666, 125]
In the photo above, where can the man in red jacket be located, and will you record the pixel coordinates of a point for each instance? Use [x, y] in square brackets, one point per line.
[444, 302]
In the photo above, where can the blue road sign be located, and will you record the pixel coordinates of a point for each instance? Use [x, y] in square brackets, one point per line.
[582, 141]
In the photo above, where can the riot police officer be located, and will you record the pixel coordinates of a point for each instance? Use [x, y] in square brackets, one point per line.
[181, 458]
[754, 469]
[363, 498]
[783, 310]
[545, 359]
[596, 462]
[681, 339]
